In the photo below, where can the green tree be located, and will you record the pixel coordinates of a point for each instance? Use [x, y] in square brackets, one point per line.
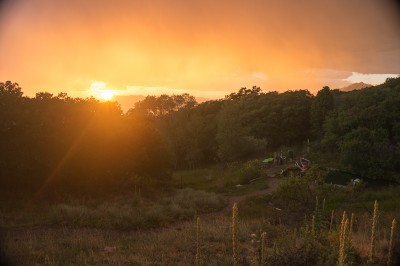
[58, 144]
[323, 103]
[244, 92]
[164, 104]
[191, 134]
[366, 152]
[363, 131]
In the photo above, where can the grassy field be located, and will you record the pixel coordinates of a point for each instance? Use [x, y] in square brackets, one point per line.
[161, 230]
[175, 245]
[221, 180]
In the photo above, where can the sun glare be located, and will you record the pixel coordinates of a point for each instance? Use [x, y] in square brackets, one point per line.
[98, 90]
[105, 95]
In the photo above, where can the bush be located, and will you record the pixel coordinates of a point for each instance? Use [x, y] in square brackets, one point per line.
[294, 193]
[249, 171]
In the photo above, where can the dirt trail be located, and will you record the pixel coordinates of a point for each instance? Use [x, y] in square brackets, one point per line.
[271, 181]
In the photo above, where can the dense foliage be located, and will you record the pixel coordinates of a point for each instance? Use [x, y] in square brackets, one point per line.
[363, 130]
[360, 128]
[243, 124]
[59, 143]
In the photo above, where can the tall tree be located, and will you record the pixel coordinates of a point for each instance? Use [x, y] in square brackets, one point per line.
[162, 105]
[323, 103]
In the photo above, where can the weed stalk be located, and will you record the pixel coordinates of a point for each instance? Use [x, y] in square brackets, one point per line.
[331, 223]
[373, 229]
[313, 226]
[235, 234]
[351, 227]
[342, 243]
[389, 261]
[263, 239]
[197, 242]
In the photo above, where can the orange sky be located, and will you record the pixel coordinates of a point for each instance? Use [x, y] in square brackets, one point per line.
[206, 48]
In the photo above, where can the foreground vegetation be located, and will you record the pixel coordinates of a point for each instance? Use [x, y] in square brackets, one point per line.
[299, 229]
[84, 184]
[177, 245]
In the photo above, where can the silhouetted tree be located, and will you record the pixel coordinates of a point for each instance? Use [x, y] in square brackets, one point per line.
[58, 144]
[320, 108]
[164, 104]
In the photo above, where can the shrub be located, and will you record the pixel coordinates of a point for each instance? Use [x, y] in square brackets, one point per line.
[249, 171]
[295, 193]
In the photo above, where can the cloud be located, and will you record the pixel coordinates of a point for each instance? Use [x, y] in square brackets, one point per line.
[373, 79]
[259, 75]
[196, 45]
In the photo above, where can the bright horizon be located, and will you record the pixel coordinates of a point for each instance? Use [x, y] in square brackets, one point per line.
[205, 48]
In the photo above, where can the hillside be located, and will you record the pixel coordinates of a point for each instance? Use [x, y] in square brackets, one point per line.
[355, 86]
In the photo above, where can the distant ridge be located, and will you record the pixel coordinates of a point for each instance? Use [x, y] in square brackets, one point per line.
[356, 86]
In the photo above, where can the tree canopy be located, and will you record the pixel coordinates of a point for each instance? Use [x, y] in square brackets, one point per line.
[363, 130]
[62, 144]
[58, 143]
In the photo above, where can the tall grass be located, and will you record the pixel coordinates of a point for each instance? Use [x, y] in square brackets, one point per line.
[313, 226]
[390, 254]
[235, 249]
[176, 245]
[197, 242]
[137, 212]
[263, 255]
[331, 222]
[351, 228]
[342, 240]
[80, 234]
[373, 230]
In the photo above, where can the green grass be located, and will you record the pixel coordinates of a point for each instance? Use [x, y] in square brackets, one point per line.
[256, 207]
[364, 200]
[218, 180]
[248, 188]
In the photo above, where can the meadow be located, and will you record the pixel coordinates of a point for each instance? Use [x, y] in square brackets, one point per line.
[132, 229]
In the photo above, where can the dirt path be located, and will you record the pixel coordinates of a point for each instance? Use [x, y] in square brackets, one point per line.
[272, 183]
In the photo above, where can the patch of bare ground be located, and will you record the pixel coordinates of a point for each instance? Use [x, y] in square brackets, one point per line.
[272, 183]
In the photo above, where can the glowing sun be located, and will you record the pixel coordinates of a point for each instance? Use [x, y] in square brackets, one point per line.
[98, 90]
[105, 95]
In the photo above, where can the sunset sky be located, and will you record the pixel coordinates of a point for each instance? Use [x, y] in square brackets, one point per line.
[206, 48]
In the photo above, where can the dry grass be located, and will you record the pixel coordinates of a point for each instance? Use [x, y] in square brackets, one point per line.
[176, 244]
[165, 246]
[90, 233]
[125, 213]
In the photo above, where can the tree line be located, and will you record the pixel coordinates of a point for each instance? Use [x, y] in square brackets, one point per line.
[57, 144]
